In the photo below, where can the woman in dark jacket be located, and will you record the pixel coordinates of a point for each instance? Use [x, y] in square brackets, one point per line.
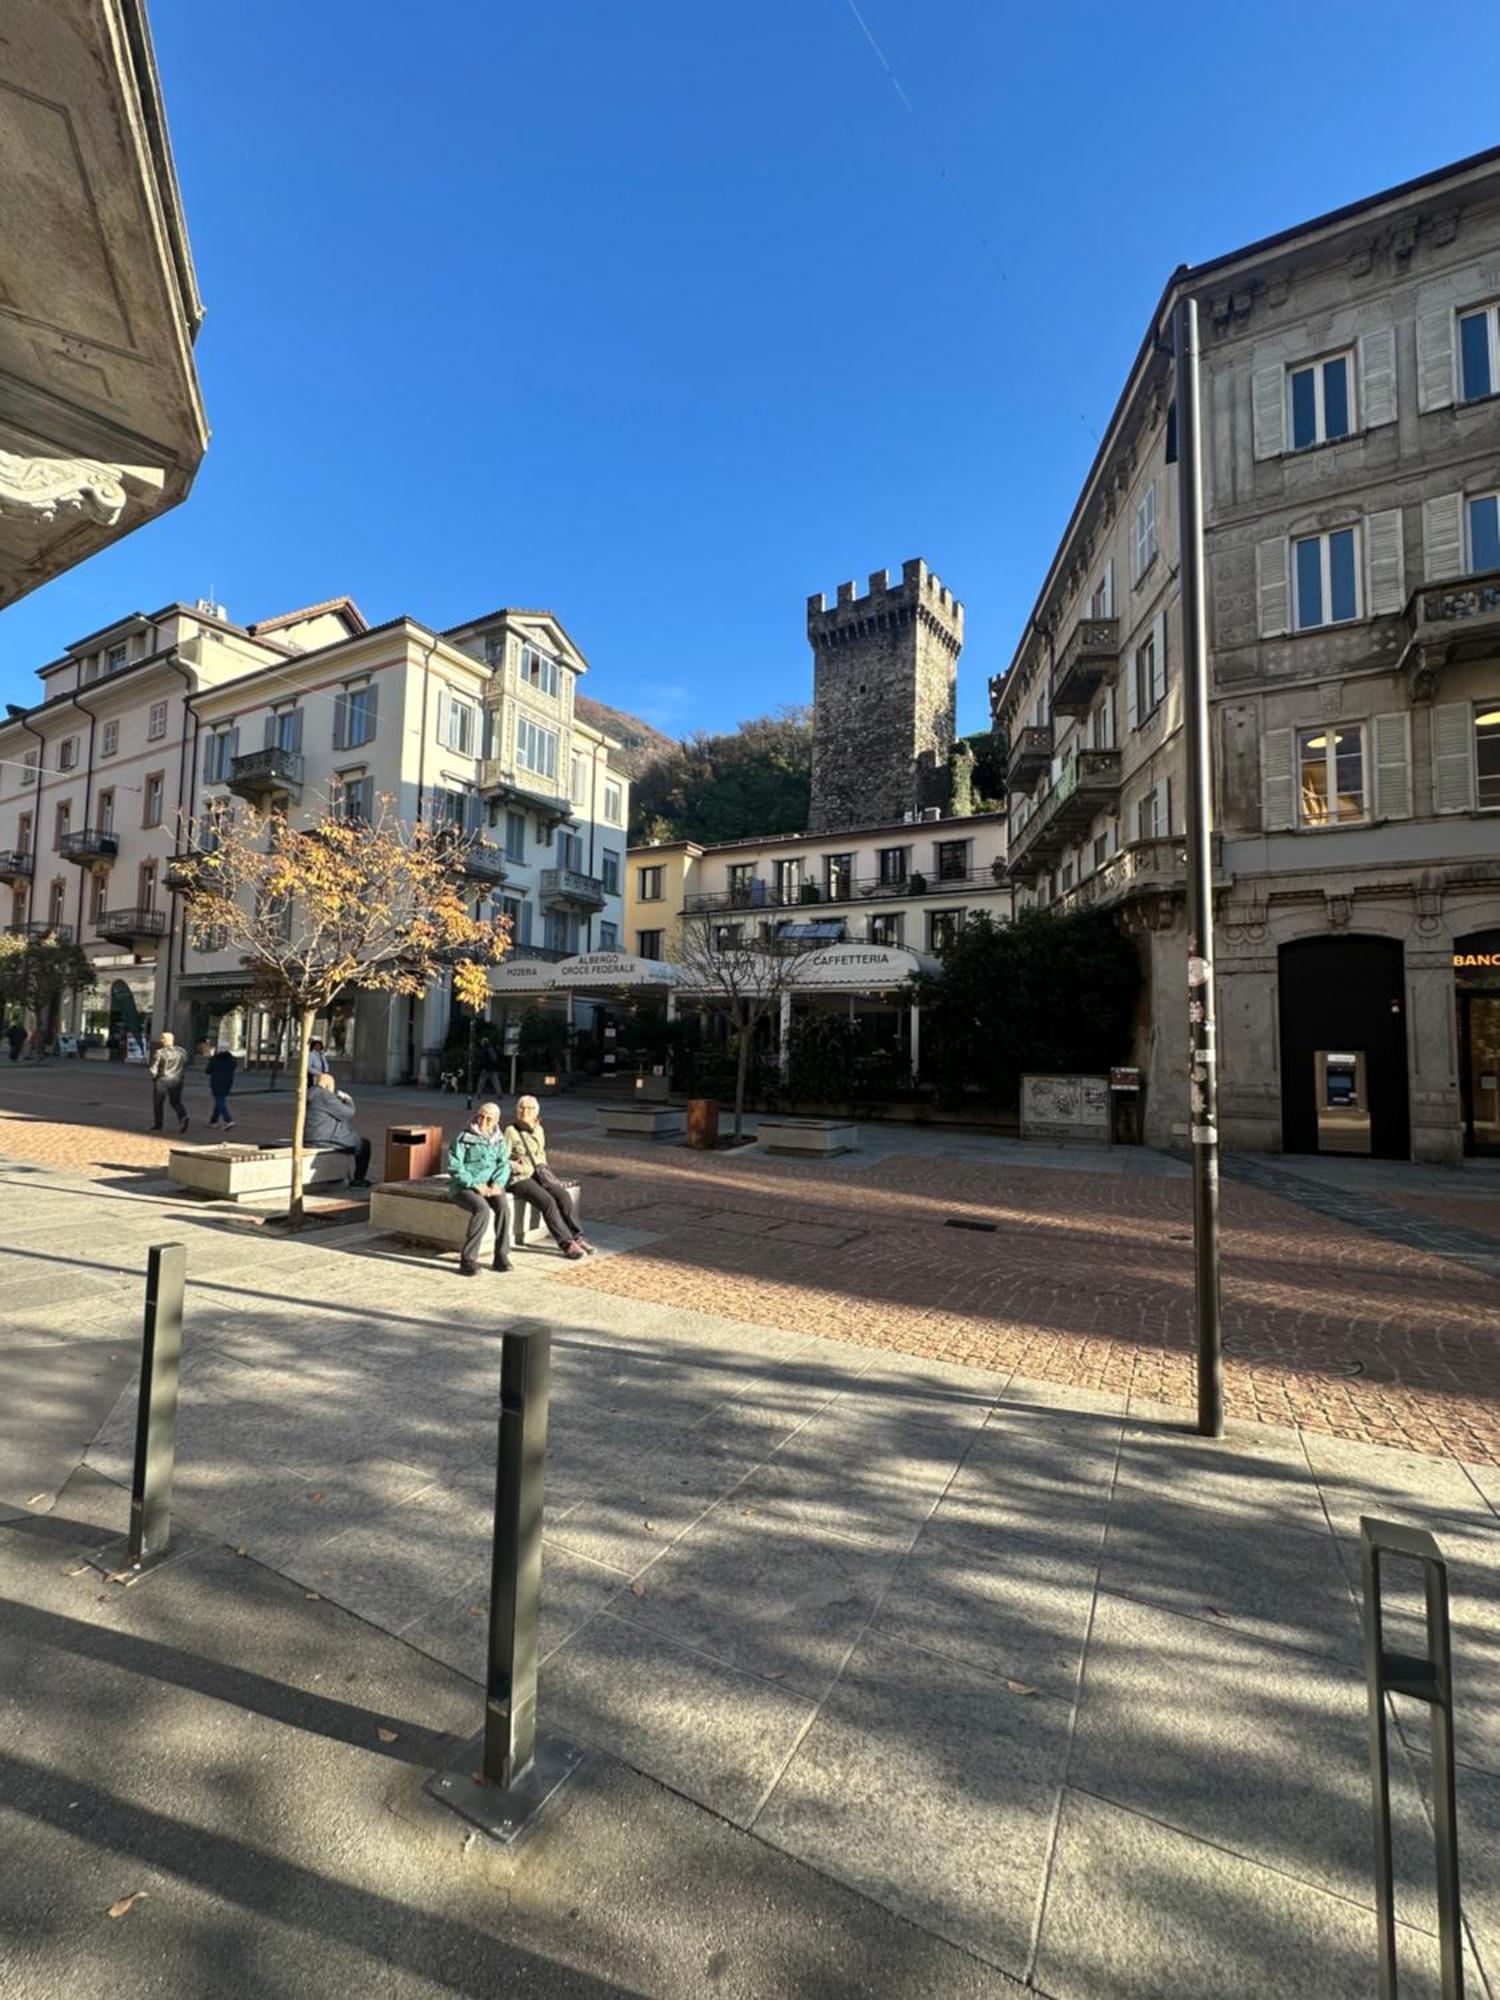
[219, 1070]
[478, 1171]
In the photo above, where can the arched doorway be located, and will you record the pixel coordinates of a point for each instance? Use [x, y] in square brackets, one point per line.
[1476, 979]
[1343, 1047]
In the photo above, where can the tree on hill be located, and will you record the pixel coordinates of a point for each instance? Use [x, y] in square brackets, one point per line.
[756, 779]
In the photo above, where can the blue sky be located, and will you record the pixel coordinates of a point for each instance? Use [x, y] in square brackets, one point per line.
[661, 314]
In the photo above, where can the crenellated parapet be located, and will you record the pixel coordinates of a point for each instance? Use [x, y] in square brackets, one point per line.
[918, 598]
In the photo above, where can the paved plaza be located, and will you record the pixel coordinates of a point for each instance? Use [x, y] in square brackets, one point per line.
[884, 1578]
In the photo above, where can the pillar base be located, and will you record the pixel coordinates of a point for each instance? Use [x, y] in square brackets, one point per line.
[504, 1814]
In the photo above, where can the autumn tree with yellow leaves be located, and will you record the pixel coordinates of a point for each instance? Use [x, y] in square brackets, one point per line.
[344, 904]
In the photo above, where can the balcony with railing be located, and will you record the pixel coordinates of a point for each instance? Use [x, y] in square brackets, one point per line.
[1144, 870]
[763, 895]
[571, 888]
[1090, 658]
[90, 846]
[135, 930]
[499, 779]
[480, 860]
[1088, 784]
[15, 868]
[1451, 622]
[1030, 756]
[271, 773]
[41, 933]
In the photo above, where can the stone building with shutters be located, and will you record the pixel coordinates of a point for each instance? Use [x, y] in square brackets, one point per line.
[1351, 424]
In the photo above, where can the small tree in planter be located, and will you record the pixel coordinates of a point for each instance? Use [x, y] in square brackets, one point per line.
[38, 973]
[743, 977]
[374, 906]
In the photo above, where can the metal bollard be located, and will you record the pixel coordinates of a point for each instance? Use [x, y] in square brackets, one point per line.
[156, 1413]
[519, 1769]
[1425, 1677]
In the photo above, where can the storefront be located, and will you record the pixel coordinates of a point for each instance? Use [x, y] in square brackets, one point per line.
[1476, 980]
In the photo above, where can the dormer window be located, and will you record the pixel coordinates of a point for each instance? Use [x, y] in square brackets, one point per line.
[539, 672]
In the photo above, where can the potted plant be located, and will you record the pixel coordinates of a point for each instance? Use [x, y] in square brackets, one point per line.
[916, 884]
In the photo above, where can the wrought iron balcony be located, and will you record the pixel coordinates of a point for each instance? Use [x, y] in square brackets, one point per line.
[1030, 756]
[1089, 660]
[480, 860]
[1144, 871]
[1450, 622]
[40, 933]
[136, 930]
[763, 895]
[89, 846]
[567, 885]
[272, 773]
[1088, 784]
[15, 868]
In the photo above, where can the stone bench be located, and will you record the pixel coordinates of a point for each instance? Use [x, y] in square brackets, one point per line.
[423, 1211]
[642, 1121]
[233, 1173]
[808, 1135]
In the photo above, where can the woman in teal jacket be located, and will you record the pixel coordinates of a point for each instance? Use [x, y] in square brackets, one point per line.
[478, 1171]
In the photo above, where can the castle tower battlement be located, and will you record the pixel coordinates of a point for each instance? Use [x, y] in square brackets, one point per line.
[885, 695]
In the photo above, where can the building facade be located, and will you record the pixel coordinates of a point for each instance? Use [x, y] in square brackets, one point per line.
[1351, 435]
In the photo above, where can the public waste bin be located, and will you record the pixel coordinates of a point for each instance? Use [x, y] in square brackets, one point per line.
[703, 1123]
[413, 1152]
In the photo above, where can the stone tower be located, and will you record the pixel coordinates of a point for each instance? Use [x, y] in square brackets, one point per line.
[885, 690]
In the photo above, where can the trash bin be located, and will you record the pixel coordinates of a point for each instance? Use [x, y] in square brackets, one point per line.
[413, 1152]
[703, 1123]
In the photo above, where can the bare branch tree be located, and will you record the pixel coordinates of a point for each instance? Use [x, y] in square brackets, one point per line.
[377, 905]
[743, 970]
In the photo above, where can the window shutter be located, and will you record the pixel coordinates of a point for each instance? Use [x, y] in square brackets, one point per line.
[367, 800]
[1452, 757]
[1268, 401]
[372, 701]
[1132, 706]
[1393, 766]
[1277, 784]
[232, 750]
[1434, 360]
[340, 721]
[442, 715]
[210, 745]
[1377, 378]
[1272, 587]
[1164, 808]
[271, 730]
[1443, 537]
[1158, 657]
[296, 729]
[1385, 578]
[1108, 583]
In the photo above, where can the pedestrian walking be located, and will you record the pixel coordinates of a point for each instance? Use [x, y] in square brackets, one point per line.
[317, 1062]
[488, 1078]
[536, 1184]
[15, 1036]
[167, 1070]
[330, 1123]
[220, 1070]
[478, 1171]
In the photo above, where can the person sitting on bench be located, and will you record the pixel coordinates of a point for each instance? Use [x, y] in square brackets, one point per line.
[478, 1169]
[330, 1124]
[534, 1182]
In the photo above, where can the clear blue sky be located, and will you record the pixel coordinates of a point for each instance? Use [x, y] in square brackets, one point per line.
[659, 312]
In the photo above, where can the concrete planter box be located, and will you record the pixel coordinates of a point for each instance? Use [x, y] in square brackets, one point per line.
[231, 1173]
[423, 1211]
[642, 1121]
[808, 1135]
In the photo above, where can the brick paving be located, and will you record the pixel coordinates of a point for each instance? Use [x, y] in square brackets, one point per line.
[1083, 1278]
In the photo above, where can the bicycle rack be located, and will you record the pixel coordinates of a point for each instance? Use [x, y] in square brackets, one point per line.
[1426, 1677]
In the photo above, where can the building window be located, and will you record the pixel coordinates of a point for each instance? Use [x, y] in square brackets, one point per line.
[952, 860]
[838, 876]
[218, 754]
[1479, 353]
[98, 890]
[570, 850]
[614, 799]
[284, 730]
[609, 872]
[560, 930]
[456, 730]
[1101, 849]
[1486, 756]
[1326, 569]
[1153, 813]
[1145, 532]
[1322, 401]
[107, 812]
[742, 882]
[115, 658]
[648, 944]
[580, 779]
[943, 927]
[536, 748]
[92, 668]
[67, 753]
[1484, 532]
[156, 722]
[56, 903]
[538, 672]
[354, 800]
[147, 879]
[788, 876]
[515, 836]
[886, 929]
[650, 886]
[28, 766]
[18, 909]
[63, 823]
[23, 833]
[1149, 667]
[609, 936]
[109, 741]
[151, 795]
[354, 716]
[1331, 775]
[892, 866]
[728, 937]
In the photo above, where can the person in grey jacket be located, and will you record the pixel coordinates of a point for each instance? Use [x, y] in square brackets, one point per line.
[168, 1068]
[330, 1122]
